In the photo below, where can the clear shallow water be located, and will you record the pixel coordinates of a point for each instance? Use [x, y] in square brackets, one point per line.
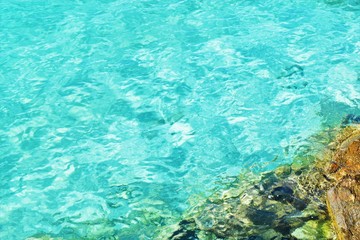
[114, 113]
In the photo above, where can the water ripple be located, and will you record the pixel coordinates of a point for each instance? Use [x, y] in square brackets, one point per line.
[114, 113]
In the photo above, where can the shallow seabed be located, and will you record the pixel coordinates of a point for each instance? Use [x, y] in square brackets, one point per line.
[114, 113]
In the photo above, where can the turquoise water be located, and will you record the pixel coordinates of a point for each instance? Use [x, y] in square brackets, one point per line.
[114, 113]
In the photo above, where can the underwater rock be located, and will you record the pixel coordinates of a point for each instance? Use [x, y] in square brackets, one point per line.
[261, 217]
[283, 171]
[183, 233]
[255, 238]
[269, 207]
[282, 194]
[351, 119]
[299, 204]
[285, 194]
[298, 201]
[311, 230]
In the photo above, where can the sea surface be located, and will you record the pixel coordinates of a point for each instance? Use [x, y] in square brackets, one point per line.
[116, 114]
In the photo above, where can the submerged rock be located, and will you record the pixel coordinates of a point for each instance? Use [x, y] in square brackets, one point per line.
[351, 119]
[291, 202]
[265, 207]
[261, 217]
[282, 194]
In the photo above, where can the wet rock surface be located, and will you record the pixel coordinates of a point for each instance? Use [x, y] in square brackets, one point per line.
[343, 198]
[317, 199]
[343, 202]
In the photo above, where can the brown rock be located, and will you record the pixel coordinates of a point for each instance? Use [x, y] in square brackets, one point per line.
[346, 156]
[344, 204]
[343, 199]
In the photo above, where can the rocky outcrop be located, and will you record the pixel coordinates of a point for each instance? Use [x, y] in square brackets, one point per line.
[343, 198]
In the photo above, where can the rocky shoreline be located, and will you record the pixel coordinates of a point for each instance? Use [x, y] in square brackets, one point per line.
[316, 197]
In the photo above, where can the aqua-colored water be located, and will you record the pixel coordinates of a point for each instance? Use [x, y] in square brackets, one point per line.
[114, 113]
